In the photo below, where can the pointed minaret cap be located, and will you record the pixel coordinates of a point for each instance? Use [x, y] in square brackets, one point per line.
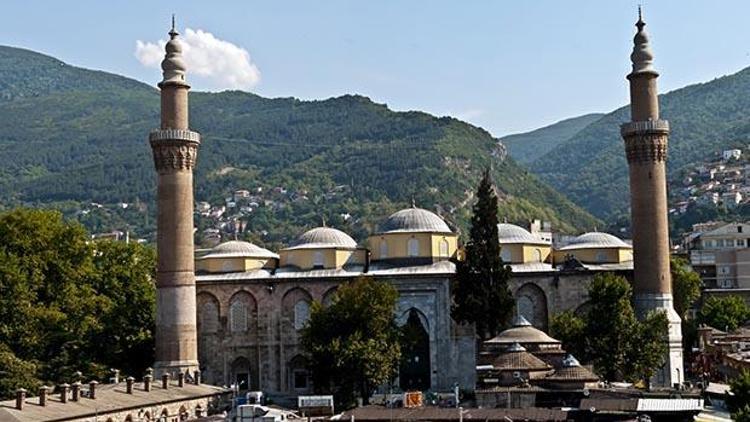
[173, 67]
[642, 56]
[520, 321]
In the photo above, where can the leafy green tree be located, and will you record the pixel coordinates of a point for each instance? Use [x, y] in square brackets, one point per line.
[480, 294]
[724, 313]
[353, 344]
[569, 328]
[686, 286]
[649, 348]
[61, 294]
[738, 402]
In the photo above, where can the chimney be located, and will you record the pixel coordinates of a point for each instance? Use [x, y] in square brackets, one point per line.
[129, 384]
[76, 391]
[147, 382]
[165, 381]
[180, 379]
[92, 389]
[64, 392]
[197, 377]
[20, 398]
[43, 395]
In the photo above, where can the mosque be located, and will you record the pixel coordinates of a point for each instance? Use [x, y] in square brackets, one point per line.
[252, 302]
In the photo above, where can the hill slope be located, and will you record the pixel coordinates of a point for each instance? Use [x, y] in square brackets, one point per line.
[590, 167]
[80, 136]
[527, 147]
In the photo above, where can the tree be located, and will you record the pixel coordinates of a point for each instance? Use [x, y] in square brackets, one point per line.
[481, 294]
[61, 294]
[353, 344]
[619, 346]
[738, 402]
[686, 286]
[724, 313]
[569, 328]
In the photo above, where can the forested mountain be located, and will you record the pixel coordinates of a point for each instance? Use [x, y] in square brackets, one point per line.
[70, 136]
[590, 167]
[527, 147]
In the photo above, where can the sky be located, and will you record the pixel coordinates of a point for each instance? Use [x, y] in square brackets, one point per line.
[507, 66]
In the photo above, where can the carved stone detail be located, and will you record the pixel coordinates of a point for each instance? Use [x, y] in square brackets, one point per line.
[646, 148]
[174, 155]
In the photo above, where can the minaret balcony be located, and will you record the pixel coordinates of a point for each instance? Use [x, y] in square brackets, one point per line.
[644, 127]
[159, 135]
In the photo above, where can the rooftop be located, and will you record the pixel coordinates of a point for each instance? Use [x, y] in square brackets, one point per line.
[322, 238]
[595, 240]
[522, 332]
[413, 220]
[512, 234]
[238, 249]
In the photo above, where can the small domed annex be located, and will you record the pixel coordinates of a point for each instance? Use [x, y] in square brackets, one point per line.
[596, 240]
[522, 332]
[413, 220]
[235, 256]
[238, 249]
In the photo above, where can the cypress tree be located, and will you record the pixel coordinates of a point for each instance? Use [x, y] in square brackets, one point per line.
[481, 294]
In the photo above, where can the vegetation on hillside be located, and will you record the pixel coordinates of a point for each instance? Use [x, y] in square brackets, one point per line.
[78, 136]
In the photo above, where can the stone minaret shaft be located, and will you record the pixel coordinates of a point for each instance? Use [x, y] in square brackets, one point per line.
[646, 139]
[175, 149]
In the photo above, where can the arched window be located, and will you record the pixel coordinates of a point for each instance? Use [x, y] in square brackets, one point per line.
[301, 314]
[227, 266]
[537, 255]
[505, 255]
[383, 249]
[318, 260]
[208, 317]
[413, 247]
[443, 248]
[238, 316]
[129, 418]
[601, 256]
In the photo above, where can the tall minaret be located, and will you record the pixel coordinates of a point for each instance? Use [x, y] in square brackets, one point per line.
[175, 148]
[646, 148]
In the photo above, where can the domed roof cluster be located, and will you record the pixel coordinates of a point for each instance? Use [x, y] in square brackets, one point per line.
[238, 249]
[413, 220]
[595, 240]
[522, 332]
[324, 237]
[510, 233]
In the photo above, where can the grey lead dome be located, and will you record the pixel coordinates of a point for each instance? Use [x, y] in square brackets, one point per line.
[238, 249]
[324, 237]
[415, 220]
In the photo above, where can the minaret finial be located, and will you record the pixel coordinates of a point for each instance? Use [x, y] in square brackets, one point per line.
[642, 56]
[413, 203]
[173, 32]
[323, 219]
[173, 66]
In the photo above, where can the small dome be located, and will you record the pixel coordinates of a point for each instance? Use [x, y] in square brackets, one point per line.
[415, 220]
[510, 233]
[572, 370]
[516, 358]
[324, 237]
[238, 249]
[522, 332]
[594, 240]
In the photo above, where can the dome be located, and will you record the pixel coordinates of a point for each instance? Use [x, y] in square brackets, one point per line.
[516, 358]
[522, 332]
[510, 233]
[594, 240]
[415, 220]
[572, 370]
[324, 237]
[238, 249]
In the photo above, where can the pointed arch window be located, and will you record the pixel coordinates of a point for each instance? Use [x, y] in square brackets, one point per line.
[318, 260]
[443, 248]
[208, 318]
[238, 317]
[301, 314]
[383, 249]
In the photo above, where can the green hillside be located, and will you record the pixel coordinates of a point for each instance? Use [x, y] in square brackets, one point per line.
[527, 147]
[76, 136]
[590, 167]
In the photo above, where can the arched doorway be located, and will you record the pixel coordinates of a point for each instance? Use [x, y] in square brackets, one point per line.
[414, 370]
[241, 374]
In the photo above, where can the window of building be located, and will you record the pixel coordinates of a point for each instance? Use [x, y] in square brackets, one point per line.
[318, 260]
[300, 379]
[724, 269]
[443, 248]
[208, 318]
[505, 255]
[739, 229]
[383, 249]
[601, 256]
[537, 255]
[740, 243]
[238, 317]
[413, 247]
[301, 314]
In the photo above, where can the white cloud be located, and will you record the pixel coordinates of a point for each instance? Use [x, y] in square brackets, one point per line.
[218, 63]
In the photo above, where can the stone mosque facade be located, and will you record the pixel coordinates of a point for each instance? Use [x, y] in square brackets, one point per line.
[252, 302]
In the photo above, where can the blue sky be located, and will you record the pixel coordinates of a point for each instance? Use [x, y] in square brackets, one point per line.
[507, 66]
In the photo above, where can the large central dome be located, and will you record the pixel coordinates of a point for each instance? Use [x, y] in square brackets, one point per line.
[415, 220]
[324, 237]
